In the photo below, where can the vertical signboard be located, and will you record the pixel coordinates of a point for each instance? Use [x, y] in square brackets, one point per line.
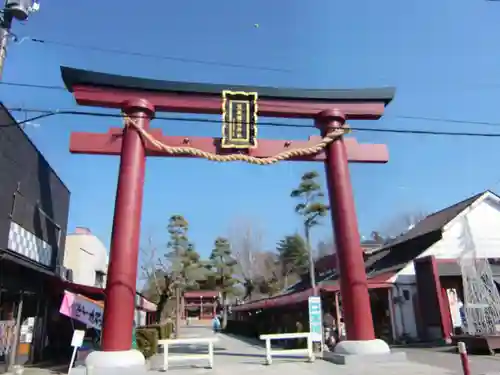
[315, 319]
[239, 119]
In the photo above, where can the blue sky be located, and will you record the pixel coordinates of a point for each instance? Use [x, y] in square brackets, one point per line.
[443, 57]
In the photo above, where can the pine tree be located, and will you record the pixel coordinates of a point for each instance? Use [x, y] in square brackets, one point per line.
[223, 267]
[312, 209]
[185, 267]
[292, 255]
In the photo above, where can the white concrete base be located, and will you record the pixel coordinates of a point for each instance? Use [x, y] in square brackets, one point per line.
[120, 359]
[376, 346]
[363, 352]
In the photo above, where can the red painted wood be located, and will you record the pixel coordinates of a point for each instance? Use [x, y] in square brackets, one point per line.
[110, 144]
[122, 271]
[201, 293]
[353, 282]
[120, 289]
[434, 310]
[211, 104]
[377, 282]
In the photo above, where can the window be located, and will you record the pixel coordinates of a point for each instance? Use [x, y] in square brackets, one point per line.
[99, 279]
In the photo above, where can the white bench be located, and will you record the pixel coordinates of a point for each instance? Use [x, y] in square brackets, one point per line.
[309, 353]
[188, 357]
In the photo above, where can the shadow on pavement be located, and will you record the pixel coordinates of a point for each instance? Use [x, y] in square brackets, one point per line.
[423, 345]
[246, 340]
[191, 349]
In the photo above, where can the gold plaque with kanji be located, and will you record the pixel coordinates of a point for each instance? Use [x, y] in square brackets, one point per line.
[239, 119]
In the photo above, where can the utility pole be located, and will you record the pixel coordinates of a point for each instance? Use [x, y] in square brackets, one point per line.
[5, 26]
[13, 9]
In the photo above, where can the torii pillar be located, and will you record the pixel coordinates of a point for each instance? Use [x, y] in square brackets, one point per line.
[125, 237]
[140, 98]
[356, 305]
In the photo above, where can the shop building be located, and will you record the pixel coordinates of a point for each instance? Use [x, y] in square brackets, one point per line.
[86, 258]
[86, 263]
[415, 281]
[34, 205]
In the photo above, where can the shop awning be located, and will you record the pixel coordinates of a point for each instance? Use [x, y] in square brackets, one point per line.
[97, 294]
[376, 282]
[90, 292]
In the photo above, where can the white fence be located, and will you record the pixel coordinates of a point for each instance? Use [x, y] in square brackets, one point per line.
[309, 353]
[209, 356]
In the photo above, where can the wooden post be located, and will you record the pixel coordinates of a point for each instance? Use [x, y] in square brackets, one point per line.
[177, 312]
[337, 314]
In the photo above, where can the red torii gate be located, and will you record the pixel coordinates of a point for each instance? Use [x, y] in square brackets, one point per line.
[141, 98]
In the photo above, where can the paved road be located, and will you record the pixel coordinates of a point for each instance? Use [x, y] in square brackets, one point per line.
[233, 356]
[449, 359]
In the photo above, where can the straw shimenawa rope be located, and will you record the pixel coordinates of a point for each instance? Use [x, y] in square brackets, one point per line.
[285, 155]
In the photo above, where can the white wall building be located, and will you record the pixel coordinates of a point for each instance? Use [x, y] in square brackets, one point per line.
[87, 258]
[440, 235]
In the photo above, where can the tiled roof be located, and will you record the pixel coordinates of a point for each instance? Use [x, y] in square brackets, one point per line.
[201, 293]
[435, 221]
[379, 264]
[428, 231]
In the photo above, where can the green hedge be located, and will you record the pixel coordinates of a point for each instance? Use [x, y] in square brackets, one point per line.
[170, 328]
[164, 330]
[147, 337]
[147, 341]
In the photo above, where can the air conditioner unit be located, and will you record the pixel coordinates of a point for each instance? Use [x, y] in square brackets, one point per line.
[64, 273]
[69, 275]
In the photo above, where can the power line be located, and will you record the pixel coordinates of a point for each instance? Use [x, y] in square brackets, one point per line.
[48, 113]
[454, 121]
[32, 86]
[151, 56]
[422, 118]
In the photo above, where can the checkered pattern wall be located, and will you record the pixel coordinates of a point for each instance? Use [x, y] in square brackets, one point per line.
[27, 328]
[27, 244]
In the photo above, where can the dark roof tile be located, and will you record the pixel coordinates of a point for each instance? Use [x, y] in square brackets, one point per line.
[434, 222]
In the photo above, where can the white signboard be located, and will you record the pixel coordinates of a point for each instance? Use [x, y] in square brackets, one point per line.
[77, 339]
[76, 342]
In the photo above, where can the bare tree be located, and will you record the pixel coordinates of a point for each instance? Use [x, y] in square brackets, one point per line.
[402, 223]
[285, 274]
[325, 248]
[246, 241]
[157, 277]
[257, 268]
[149, 265]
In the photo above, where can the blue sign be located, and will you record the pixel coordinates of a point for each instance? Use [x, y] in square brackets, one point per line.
[315, 319]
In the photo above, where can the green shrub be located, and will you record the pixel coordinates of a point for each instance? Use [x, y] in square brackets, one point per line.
[157, 328]
[147, 341]
[164, 330]
[169, 329]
